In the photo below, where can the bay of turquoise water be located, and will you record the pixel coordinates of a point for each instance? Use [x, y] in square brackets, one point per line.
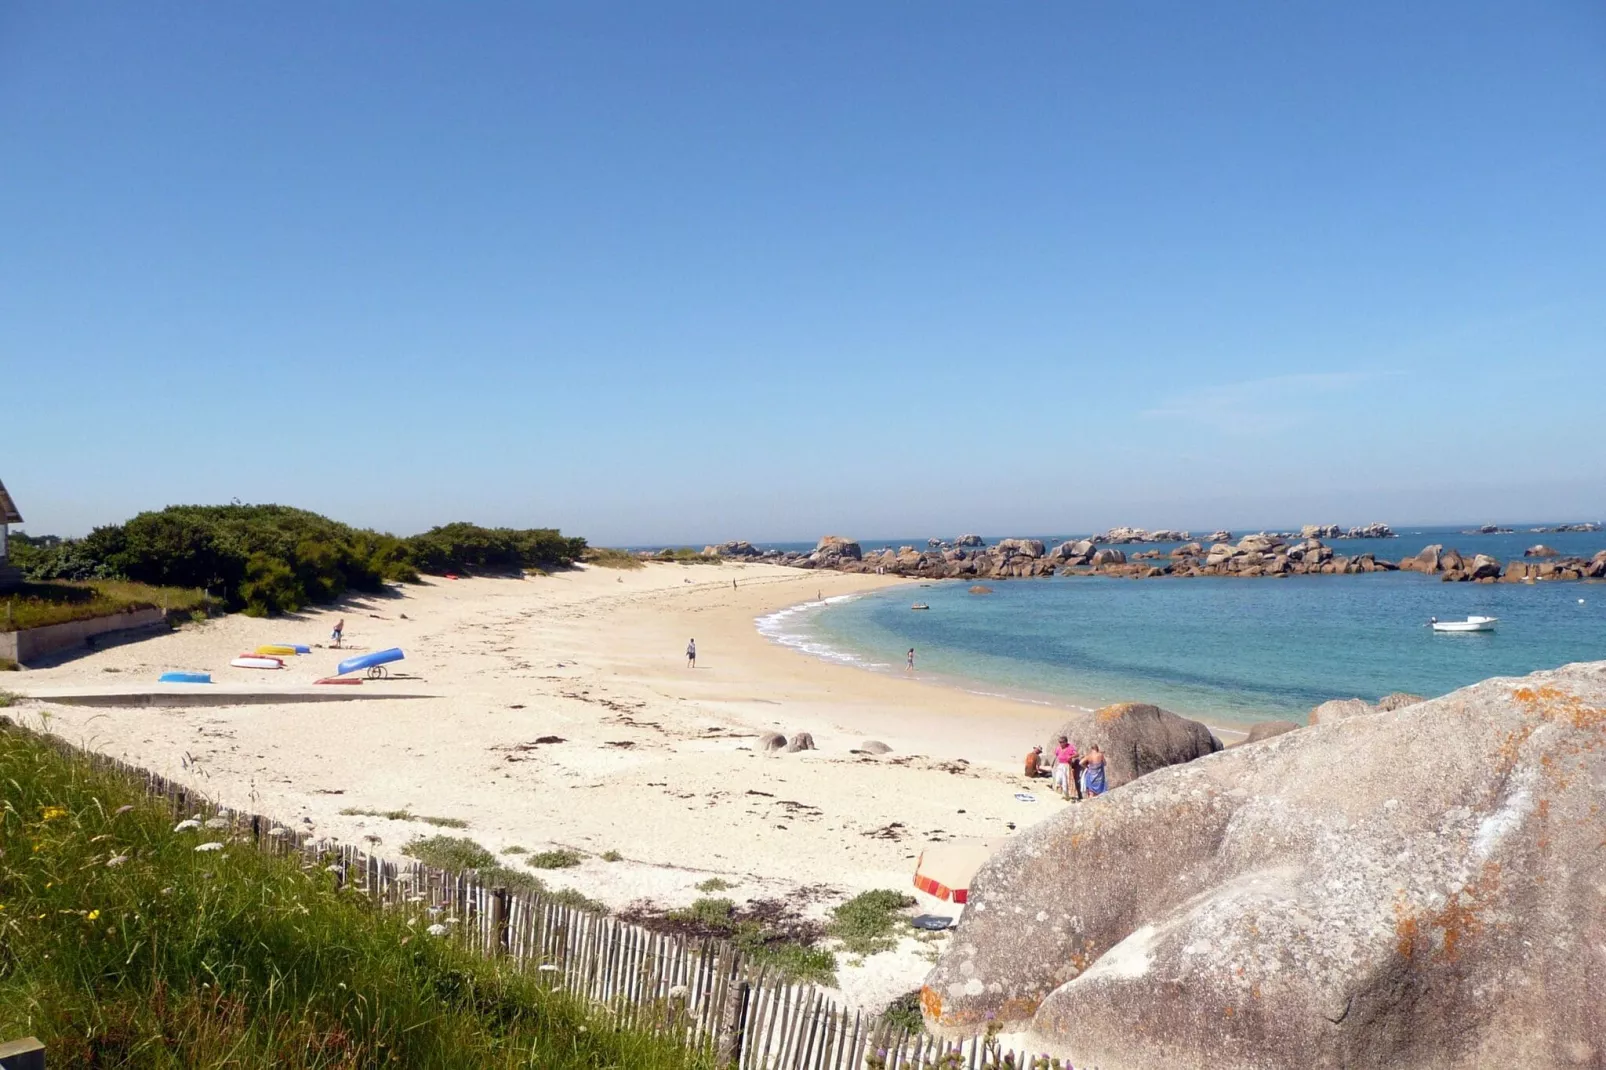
[1223, 650]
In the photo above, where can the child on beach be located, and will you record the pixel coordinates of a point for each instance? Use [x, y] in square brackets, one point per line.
[691, 654]
[340, 626]
[1093, 772]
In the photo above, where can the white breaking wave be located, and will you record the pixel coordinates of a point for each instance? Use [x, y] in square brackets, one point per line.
[787, 627]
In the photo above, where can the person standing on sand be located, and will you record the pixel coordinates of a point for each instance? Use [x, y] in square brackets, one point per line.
[911, 659]
[1065, 769]
[1093, 772]
[340, 627]
[691, 654]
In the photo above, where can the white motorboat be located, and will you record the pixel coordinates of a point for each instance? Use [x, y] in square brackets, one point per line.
[1471, 624]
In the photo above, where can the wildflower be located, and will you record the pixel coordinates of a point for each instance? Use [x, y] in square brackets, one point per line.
[213, 846]
[436, 930]
[117, 860]
[92, 915]
[186, 825]
[217, 823]
[547, 967]
[50, 813]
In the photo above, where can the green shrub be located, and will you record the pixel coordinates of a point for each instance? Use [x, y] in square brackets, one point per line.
[8, 698]
[612, 856]
[559, 859]
[37, 604]
[463, 547]
[870, 921]
[904, 1013]
[7, 665]
[685, 555]
[714, 884]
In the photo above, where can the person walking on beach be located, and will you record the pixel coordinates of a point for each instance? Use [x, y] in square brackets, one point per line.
[1093, 772]
[911, 659]
[691, 654]
[334, 636]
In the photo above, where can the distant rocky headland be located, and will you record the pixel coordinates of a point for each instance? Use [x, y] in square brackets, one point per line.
[1254, 555]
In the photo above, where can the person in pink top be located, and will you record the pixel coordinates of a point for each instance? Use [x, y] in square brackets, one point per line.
[1066, 774]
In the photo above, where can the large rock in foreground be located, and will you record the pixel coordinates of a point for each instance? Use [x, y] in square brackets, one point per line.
[1136, 739]
[1416, 889]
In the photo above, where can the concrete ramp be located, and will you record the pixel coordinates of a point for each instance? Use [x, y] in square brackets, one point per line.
[154, 694]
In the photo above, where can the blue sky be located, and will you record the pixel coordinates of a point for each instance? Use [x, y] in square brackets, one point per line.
[701, 271]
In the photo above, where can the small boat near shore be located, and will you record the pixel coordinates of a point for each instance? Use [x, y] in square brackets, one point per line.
[919, 605]
[1471, 624]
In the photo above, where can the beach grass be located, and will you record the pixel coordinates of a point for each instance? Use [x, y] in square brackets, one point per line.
[603, 557]
[407, 815]
[128, 942]
[463, 854]
[685, 555]
[715, 884]
[558, 859]
[35, 605]
[761, 936]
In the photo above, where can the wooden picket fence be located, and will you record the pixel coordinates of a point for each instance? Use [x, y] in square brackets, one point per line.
[702, 990]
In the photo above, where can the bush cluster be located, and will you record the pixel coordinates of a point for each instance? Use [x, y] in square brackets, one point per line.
[266, 559]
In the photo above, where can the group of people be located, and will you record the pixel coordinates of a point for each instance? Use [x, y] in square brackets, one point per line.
[1081, 773]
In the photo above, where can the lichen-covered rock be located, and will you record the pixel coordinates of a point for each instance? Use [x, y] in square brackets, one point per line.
[1398, 700]
[873, 746]
[1268, 729]
[1420, 889]
[1023, 547]
[1136, 739]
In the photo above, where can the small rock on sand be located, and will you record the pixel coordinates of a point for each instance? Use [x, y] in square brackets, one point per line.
[873, 746]
[800, 741]
[771, 741]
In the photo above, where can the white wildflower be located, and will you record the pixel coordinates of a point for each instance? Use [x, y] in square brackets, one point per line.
[213, 846]
[186, 825]
[546, 967]
[679, 992]
[217, 823]
[335, 869]
[436, 930]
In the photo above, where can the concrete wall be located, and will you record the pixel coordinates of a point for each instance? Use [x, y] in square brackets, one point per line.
[31, 643]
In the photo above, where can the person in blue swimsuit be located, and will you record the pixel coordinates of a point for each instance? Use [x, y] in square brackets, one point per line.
[1093, 772]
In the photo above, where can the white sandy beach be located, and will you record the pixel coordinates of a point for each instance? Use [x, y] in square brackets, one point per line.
[657, 762]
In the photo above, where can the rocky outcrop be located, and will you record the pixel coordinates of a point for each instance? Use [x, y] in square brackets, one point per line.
[1219, 536]
[1370, 531]
[1321, 531]
[1257, 555]
[1136, 739]
[980, 588]
[1419, 889]
[734, 548]
[969, 540]
[1539, 551]
[1269, 729]
[1565, 527]
[1341, 709]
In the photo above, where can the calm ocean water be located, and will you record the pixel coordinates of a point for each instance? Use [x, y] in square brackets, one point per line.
[1225, 650]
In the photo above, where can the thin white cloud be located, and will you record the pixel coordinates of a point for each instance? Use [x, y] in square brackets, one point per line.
[1272, 405]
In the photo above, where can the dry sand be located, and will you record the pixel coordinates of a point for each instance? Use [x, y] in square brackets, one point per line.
[657, 762]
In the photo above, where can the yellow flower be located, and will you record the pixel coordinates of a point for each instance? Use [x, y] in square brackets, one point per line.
[93, 914]
[53, 812]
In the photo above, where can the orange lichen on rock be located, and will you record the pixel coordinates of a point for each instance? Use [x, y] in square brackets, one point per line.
[1459, 918]
[931, 1003]
[1557, 706]
[1110, 714]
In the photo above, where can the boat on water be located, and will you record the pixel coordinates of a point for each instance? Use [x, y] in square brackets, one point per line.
[1471, 624]
[919, 605]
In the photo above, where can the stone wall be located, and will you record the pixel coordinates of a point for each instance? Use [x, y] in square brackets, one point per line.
[31, 643]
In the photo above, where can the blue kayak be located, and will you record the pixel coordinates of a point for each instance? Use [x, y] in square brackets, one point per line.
[369, 661]
[184, 678]
[299, 648]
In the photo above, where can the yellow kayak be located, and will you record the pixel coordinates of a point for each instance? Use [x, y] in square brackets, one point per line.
[277, 651]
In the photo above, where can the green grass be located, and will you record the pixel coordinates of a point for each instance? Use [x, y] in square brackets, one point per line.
[124, 947]
[462, 853]
[715, 884]
[611, 856]
[685, 555]
[515, 850]
[407, 815]
[562, 858]
[870, 921]
[34, 605]
[8, 698]
[904, 1013]
[7, 665]
[605, 558]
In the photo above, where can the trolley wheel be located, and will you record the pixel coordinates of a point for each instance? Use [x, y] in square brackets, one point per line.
[377, 672]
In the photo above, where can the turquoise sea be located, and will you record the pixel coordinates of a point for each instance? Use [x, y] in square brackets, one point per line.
[1223, 650]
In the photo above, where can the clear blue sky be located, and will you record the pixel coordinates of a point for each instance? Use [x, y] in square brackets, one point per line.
[683, 272]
